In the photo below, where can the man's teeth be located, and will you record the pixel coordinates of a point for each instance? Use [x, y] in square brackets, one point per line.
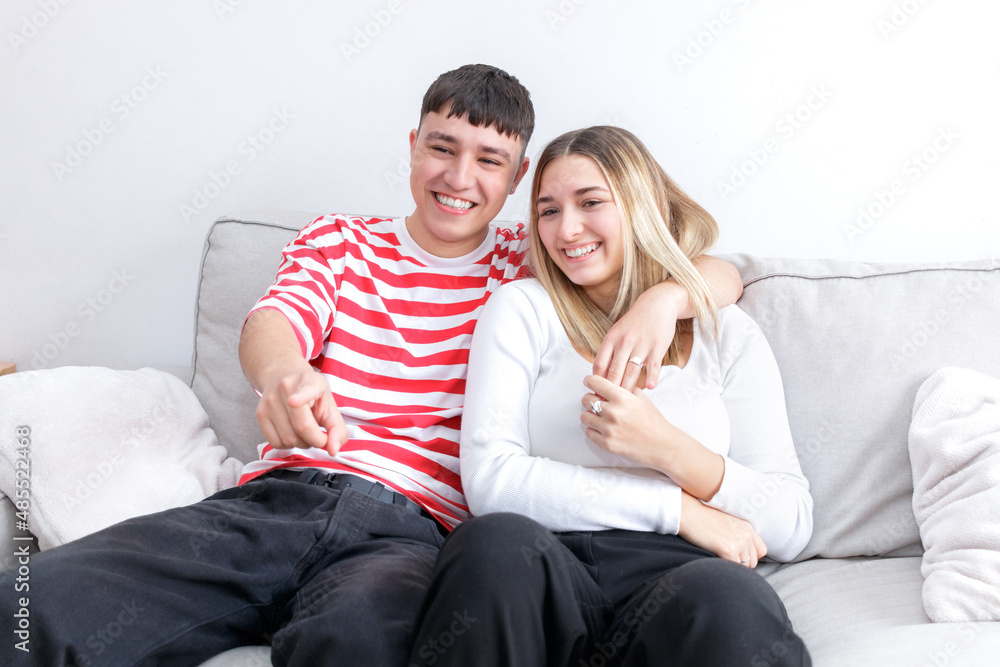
[452, 202]
[582, 250]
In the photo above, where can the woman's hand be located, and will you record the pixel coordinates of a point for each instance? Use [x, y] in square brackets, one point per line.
[629, 425]
[723, 534]
[644, 333]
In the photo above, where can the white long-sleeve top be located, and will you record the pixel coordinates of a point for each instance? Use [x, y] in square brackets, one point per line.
[524, 449]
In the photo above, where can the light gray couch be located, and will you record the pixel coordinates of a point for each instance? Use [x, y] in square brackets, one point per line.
[854, 342]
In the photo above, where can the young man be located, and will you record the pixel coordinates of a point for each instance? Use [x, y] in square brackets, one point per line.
[326, 546]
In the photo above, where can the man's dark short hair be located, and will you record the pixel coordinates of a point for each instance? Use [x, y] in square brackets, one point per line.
[490, 96]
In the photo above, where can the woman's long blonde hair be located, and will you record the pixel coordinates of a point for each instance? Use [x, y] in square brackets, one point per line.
[662, 230]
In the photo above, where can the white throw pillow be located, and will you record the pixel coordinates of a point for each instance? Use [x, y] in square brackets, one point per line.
[954, 446]
[98, 446]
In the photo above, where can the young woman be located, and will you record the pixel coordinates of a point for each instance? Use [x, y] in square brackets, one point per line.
[616, 527]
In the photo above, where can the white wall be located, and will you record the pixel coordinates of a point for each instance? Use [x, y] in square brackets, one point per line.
[98, 256]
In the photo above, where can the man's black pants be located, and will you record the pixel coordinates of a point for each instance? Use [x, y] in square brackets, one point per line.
[325, 576]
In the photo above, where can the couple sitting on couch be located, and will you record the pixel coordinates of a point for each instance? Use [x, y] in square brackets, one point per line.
[610, 524]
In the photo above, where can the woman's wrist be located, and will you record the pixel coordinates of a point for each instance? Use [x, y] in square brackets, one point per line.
[689, 514]
[692, 466]
[672, 297]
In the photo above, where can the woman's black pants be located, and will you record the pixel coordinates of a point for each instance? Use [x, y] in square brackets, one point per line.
[507, 591]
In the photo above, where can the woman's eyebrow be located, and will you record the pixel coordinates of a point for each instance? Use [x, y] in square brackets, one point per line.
[582, 191]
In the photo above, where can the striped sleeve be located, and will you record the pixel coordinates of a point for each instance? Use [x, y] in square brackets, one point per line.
[305, 290]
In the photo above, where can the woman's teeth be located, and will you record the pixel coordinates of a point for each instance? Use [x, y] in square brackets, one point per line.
[582, 250]
[452, 202]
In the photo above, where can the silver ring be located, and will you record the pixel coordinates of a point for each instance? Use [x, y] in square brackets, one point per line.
[637, 360]
[595, 407]
[744, 562]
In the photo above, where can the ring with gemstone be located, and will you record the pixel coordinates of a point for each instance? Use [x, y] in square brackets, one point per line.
[595, 407]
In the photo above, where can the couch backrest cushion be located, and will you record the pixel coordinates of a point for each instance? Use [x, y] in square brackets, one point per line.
[854, 341]
[240, 261]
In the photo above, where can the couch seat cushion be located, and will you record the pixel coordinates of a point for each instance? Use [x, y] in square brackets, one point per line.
[869, 612]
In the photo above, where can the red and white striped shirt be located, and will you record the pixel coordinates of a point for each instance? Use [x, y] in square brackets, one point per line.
[389, 325]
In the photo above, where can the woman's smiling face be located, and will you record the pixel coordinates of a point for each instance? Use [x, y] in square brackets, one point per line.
[580, 226]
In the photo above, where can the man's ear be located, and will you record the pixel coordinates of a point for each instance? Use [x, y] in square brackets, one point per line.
[521, 171]
[413, 144]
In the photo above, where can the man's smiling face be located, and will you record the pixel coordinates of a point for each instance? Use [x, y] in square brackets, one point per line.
[460, 176]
